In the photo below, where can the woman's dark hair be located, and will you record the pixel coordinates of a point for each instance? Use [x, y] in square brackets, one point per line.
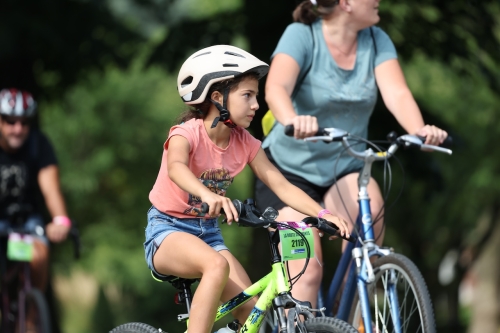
[200, 111]
[307, 13]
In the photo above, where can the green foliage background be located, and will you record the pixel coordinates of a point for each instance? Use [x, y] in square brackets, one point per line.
[104, 73]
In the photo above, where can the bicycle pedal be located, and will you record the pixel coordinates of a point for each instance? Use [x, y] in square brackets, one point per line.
[183, 317]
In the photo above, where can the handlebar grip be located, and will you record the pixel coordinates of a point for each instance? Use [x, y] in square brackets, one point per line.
[204, 207]
[289, 130]
[331, 229]
[328, 227]
[447, 143]
[248, 215]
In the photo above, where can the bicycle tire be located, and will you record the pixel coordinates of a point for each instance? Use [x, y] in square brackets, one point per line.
[135, 328]
[327, 325]
[412, 293]
[37, 308]
[269, 323]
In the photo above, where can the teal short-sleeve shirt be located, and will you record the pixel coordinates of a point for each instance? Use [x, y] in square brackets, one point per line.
[339, 98]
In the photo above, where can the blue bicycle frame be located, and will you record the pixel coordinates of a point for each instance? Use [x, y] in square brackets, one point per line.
[360, 273]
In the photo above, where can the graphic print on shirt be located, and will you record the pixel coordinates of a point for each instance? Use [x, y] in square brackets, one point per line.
[13, 179]
[217, 181]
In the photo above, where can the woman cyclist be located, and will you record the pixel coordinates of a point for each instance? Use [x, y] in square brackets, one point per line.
[325, 72]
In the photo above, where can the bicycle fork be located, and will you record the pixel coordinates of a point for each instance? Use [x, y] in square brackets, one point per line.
[365, 277]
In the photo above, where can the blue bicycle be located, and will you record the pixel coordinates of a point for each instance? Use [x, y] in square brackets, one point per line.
[384, 291]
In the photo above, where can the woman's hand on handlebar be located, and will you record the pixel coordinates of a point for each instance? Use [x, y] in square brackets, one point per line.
[216, 203]
[304, 126]
[432, 134]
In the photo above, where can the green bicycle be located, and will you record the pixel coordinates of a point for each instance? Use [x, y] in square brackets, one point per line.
[274, 288]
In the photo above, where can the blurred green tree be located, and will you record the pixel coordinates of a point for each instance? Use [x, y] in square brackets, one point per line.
[104, 72]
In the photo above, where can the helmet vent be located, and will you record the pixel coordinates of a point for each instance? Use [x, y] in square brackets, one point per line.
[201, 54]
[234, 54]
[230, 65]
[187, 81]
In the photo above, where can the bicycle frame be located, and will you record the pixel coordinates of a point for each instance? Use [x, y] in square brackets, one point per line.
[360, 274]
[273, 284]
[18, 271]
[274, 290]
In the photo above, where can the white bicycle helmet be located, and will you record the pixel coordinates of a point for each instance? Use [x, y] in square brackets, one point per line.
[214, 64]
[17, 103]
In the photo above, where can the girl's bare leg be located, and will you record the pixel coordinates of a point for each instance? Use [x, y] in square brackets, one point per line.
[187, 256]
[237, 282]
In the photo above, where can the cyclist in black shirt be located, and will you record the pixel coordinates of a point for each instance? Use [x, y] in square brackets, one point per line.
[28, 166]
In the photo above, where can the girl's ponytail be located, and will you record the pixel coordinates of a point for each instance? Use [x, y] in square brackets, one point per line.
[309, 11]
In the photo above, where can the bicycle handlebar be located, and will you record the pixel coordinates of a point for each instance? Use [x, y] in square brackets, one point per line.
[40, 231]
[407, 141]
[250, 216]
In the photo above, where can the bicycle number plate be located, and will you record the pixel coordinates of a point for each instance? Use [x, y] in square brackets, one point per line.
[20, 247]
[293, 246]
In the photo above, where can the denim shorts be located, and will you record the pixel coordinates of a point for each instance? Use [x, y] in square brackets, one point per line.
[160, 225]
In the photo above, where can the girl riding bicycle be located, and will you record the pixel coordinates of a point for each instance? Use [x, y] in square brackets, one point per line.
[201, 157]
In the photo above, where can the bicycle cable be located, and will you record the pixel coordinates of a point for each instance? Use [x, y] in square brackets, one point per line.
[387, 185]
[293, 280]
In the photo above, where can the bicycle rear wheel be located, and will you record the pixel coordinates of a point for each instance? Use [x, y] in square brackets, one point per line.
[135, 328]
[396, 272]
[37, 312]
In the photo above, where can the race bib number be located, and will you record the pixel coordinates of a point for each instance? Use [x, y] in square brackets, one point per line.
[20, 247]
[293, 246]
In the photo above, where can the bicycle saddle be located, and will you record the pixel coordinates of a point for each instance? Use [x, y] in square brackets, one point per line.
[177, 282]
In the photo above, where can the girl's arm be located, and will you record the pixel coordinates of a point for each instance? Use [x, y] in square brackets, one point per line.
[399, 100]
[182, 176]
[289, 193]
[280, 83]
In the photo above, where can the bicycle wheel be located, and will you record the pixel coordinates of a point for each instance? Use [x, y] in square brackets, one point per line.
[326, 325]
[37, 312]
[415, 307]
[135, 328]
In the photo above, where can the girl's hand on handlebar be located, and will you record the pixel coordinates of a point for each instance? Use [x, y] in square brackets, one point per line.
[433, 135]
[304, 126]
[340, 223]
[216, 203]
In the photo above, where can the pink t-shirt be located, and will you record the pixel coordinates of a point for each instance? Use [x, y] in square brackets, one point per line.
[215, 167]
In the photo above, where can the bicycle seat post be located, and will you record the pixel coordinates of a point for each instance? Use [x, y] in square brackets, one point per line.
[188, 296]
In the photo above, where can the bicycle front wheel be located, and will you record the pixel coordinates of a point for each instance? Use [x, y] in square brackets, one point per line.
[37, 316]
[397, 279]
[326, 325]
[135, 328]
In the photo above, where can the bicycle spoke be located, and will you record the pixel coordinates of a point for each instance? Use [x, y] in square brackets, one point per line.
[399, 284]
[385, 330]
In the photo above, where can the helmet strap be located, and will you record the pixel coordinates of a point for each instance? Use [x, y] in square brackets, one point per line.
[224, 112]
